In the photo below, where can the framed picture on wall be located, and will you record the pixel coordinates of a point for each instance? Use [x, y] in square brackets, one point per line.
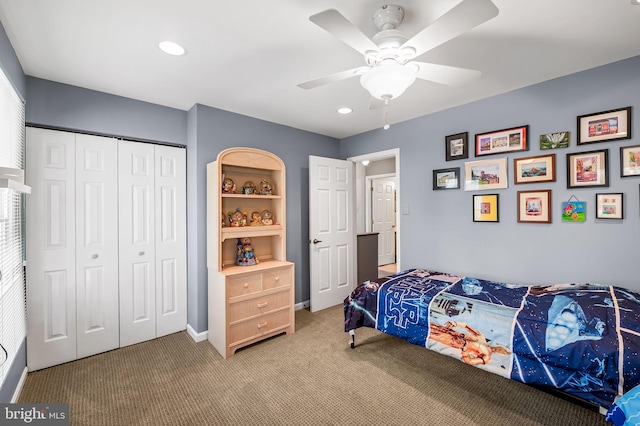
[604, 126]
[485, 174]
[446, 178]
[456, 146]
[588, 169]
[629, 161]
[609, 206]
[534, 206]
[555, 140]
[541, 168]
[501, 141]
[485, 208]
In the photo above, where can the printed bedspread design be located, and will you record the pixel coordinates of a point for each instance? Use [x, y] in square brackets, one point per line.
[583, 339]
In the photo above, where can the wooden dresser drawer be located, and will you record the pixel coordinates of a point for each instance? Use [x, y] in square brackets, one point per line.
[281, 277]
[259, 305]
[244, 284]
[245, 330]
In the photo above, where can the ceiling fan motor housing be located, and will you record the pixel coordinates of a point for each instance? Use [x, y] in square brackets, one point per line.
[388, 17]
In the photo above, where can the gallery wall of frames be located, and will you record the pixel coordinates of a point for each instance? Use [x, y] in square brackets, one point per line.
[498, 154]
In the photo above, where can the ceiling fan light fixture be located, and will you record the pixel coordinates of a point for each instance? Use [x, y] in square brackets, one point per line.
[387, 80]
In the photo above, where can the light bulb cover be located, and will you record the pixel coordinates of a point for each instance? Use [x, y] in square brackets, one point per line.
[171, 48]
[388, 80]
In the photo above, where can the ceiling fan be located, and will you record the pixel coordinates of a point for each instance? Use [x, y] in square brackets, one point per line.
[389, 55]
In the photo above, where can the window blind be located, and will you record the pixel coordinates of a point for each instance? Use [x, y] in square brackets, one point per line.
[12, 279]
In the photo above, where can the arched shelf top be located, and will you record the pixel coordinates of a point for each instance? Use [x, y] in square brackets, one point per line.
[250, 157]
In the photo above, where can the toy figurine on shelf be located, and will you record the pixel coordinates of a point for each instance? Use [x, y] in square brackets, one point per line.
[265, 188]
[267, 217]
[249, 188]
[237, 218]
[224, 220]
[256, 219]
[244, 252]
[228, 187]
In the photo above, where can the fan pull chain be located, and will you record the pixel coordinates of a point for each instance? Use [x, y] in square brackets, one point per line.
[386, 114]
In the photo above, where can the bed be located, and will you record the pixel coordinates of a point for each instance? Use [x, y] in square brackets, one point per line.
[581, 339]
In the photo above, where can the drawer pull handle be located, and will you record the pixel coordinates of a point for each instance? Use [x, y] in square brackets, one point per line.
[246, 285]
[262, 305]
[140, 253]
[95, 256]
[277, 278]
[262, 325]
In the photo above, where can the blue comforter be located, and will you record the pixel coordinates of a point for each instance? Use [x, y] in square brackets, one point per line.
[583, 339]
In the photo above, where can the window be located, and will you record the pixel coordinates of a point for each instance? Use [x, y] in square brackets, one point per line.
[12, 280]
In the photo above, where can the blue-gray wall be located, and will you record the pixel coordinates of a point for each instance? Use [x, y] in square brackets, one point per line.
[205, 131]
[217, 130]
[438, 232]
[12, 68]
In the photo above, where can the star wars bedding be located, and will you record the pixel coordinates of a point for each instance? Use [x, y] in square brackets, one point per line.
[583, 339]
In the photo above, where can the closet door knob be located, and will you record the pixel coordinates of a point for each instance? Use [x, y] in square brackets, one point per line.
[95, 256]
[140, 253]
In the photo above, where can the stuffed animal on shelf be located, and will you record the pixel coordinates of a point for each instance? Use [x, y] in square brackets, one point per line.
[267, 217]
[256, 219]
[228, 187]
[237, 218]
[244, 253]
[265, 188]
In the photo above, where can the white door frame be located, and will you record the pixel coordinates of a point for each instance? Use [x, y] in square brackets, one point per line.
[369, 210]
[381, 155]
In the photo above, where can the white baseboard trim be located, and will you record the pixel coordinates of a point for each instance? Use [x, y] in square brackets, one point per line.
[302, 305]
[197, 337]
[16, 393]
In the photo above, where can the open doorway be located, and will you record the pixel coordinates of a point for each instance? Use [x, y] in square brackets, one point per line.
[377, 199]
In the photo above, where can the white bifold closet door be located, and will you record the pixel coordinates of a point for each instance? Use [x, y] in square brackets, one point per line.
[106, 244]
[71, 250]
[152, 241]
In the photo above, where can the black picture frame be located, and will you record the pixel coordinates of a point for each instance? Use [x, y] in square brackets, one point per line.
[501, 141]
[579, 178]
[603, 126]
[610, 205]
[456, 147]
[486, 208]
[446, 178]
[630, 161]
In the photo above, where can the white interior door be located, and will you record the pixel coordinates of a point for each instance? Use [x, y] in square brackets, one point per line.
[383, 218]
[50, 248]
[96, 244]
[331, 231]
[171, 239]
[137, 271]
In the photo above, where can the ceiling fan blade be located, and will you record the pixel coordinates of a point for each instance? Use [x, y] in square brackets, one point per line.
[461, 18]
[342, 75]
[444, 74]
[335, 23]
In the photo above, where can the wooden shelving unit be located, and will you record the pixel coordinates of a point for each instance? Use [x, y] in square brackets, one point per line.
[247, 303]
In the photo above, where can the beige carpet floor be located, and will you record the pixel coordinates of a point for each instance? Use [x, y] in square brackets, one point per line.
[311, 377]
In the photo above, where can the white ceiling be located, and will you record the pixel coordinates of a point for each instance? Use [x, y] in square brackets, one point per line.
[247, 56]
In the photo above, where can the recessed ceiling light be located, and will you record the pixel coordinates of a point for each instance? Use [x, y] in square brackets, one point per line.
[635, 2]
[345, 110]
[171, 48]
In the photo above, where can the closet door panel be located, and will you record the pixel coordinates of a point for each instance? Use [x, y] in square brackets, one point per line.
[97, 244]
[137, 267]
[171, 270]
[50, 248]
